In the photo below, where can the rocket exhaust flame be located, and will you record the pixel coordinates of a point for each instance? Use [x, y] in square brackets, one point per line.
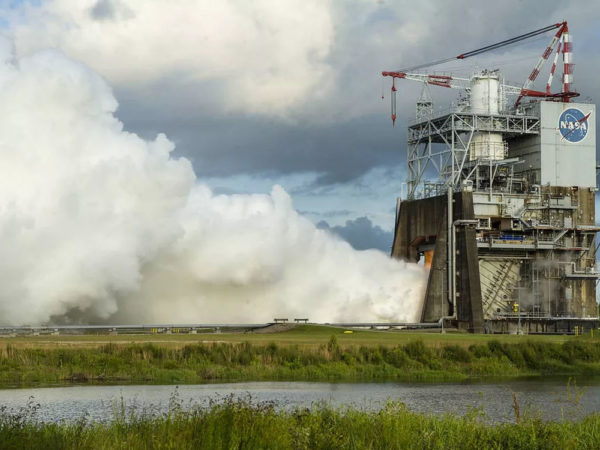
[98, 224]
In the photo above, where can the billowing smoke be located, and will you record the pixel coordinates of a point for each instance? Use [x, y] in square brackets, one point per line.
[97, 224]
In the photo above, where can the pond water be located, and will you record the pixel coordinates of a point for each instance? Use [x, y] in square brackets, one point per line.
[552, 399]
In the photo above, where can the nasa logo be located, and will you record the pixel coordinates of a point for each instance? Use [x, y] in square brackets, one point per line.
[573, 125]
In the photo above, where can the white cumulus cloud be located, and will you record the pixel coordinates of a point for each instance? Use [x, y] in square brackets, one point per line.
[263, 56]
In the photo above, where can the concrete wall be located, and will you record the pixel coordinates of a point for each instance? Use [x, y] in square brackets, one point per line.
[417, 219]
[424, 222]
[418, 222]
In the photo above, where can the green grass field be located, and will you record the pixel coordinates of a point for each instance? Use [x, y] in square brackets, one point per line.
[302, 335]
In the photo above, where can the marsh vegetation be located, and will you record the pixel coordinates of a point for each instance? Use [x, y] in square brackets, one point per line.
[330, 361]
[241, 424]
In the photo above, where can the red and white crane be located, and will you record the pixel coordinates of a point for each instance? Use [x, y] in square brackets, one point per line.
[561, 37]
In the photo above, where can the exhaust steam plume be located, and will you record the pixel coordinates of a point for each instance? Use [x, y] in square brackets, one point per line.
[99, 225]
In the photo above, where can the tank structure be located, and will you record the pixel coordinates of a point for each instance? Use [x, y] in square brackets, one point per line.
[500, 207]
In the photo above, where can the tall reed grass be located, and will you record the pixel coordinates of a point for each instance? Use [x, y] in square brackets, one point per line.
[243, 425]
[151, 363]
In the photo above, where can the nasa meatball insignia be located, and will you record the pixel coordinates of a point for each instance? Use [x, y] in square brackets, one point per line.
[573, 125]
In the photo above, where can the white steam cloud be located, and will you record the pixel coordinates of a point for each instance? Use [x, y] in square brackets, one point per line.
[97, 224]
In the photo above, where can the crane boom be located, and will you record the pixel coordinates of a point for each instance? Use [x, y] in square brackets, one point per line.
[487, 48]
[436, 80]
[446, 81]
[561, 37]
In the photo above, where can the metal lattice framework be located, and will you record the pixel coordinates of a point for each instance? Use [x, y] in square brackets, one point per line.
[442, 144]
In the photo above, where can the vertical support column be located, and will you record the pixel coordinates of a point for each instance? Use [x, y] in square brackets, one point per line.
[567, 61]
[452, 156]
[450, 265]
[468, 284]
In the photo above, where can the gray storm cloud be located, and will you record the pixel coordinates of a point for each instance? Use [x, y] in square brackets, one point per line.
[99, 224]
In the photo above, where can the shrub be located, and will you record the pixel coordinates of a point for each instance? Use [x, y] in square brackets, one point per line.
[456, 353]
[480, 351]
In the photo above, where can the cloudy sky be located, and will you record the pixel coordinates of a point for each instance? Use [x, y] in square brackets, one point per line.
[264, 92]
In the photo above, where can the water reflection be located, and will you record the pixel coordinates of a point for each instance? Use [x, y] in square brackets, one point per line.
[548, 399]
